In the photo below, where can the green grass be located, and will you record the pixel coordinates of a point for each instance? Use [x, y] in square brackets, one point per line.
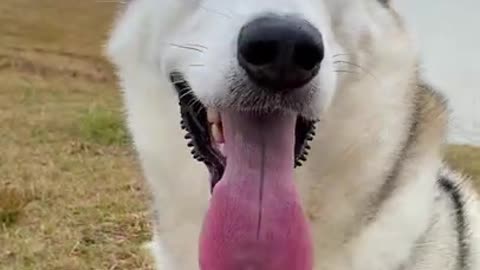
[103, 126]
[71, 196]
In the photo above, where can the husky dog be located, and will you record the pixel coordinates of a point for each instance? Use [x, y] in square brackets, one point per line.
[290, 135]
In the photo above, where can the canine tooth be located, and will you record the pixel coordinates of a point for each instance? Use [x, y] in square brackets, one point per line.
[213, 116]
[217, 133]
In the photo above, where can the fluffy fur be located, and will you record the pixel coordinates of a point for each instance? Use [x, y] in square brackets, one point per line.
[374, 187]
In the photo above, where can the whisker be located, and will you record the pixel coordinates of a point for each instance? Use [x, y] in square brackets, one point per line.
[358, 66]
[190, 104]
[216, 12]
[178, 81]
[197, 45]
[340, 54]
[200, 106]
[188, 92]
[186, 47]
[346, 71]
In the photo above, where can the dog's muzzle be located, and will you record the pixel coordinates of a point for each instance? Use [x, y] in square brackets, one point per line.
[251, 145]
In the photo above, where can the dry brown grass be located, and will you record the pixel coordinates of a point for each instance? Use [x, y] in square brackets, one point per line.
[465, 159]
[70, 191]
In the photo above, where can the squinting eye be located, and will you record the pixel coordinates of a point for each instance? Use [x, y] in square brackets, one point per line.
[384, 2]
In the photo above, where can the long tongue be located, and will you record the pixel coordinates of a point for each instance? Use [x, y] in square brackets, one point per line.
[255, 221]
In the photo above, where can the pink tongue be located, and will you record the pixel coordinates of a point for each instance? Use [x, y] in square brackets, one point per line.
[255, 221]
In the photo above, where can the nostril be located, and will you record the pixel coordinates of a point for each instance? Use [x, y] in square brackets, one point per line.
[308, 55]
[280, 52]
[260, 52]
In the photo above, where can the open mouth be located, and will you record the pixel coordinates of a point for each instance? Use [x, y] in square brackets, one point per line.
[204, 131]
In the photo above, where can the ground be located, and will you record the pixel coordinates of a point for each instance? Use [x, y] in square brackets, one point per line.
[71, 195]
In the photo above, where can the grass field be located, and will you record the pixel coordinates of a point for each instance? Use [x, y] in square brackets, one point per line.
[71, 196]
[70, 192]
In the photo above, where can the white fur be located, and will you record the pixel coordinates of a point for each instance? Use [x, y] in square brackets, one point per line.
[363, 119]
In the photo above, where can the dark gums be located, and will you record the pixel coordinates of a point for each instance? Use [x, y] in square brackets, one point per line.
[195, 123]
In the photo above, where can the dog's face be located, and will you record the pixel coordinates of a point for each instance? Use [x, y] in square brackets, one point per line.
[252, 78]
[253, 56]
[211, 44]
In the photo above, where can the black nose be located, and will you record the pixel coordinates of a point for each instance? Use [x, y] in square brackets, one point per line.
[280, 53]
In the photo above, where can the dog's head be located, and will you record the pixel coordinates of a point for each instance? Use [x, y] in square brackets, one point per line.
[253, 77]
[254, 55]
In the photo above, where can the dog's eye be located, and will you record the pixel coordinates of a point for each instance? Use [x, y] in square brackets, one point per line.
[384, 2]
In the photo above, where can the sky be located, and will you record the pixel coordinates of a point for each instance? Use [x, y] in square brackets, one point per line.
[447, 33]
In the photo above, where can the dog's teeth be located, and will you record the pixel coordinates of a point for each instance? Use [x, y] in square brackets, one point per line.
[213, 116]
[217, 133]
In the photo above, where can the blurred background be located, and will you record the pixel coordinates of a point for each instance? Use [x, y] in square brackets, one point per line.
[71, 196]
[448, 36]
